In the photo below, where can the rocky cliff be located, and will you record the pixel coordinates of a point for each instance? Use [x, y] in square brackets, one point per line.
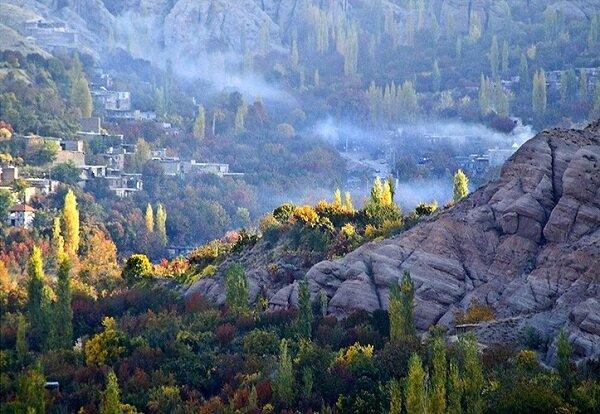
[526, 245]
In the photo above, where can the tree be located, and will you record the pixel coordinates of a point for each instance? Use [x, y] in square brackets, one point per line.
[58, 242]
[402, 325]
[284, 381]
[66, 172]
[305, 314]
[505, 57]
[149, 219]
[63, 313]
[539, 99]
[6, 202]
[98, 265]
[137, 268]
[71, 223]
[454, 389]
[236, 289]
[348, 205]
[21, 340]
[240, 117]
[111, 403]
[80, 95]
[583, 89]
[436, 76]
[395, 397]
[594, 33]
[437, 395]
[473, 380]
[568, 86]
[494, 57]
[523, 71]
[200, 124]
[161, 223]
[482, 96]
[106, 347]
[563, 352]
[142, 154]
[31, 394]
[461, 186]
[37, 302]
[294, 55]
[415, 396]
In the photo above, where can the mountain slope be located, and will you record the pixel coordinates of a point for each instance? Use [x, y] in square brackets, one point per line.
[526, 245]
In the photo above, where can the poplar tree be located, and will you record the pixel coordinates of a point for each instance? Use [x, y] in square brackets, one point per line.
[337, 198]
[594, 32]
[71, 224]
[284, 381]
[200, 124]
[305, 314]
[240, 116]
[539, 99]
[79, 94]
[400, 309]
[149, 219]
[436, 77]
[454, 389]
[161, 223]
[505, 57]
[494, 57]
[568, 86]
[294, 54]
[483, 95]
[236, 289]
[348, 202]
[21, 339]
[31, 393]
[37, 302]
[415, 395]
[58, 242]
[461, 186]
[458, 47]
[564, 352]
[437, 396]
[395, 397]
[473, 380]
[583, 90]
[111, 403]
[523, 71]
[63, 313]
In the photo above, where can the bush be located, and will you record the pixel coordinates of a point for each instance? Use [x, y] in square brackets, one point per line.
[137, 268]
[260, 342]
[476, 313]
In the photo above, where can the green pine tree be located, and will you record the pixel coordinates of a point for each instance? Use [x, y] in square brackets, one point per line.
[473, 379]
[395, 391]
[437, 394]
[454, 389]
[236, 289]
[30, 391]
[284, 381]
[200, 124]
[37, 302]
[111, 403]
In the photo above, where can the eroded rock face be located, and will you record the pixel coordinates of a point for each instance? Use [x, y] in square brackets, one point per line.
[526, 245]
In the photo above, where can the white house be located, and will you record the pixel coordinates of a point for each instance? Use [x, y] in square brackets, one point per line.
[21, 215]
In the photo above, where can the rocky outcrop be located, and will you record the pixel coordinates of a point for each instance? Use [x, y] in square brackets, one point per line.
[526, 245]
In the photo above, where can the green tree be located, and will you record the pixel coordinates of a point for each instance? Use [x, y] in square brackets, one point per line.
[58, 242]
[473, 379]
[494, 57]
[200, 124]
[236, 289]
[568, 86]
[63, 313]
[305, 314]
[454, 389]
[80, 95]
[6, 202]
[539, 99]
[402, 325]
[38, 302]
[505, 61]
[482, 96]
[594, 33]
[437, 395]
[70, 216]
[240, 116]
[564, 352]
[395, 391]
[111, 402]
[436, 76]
[21, 340]
[415, 395]
[142, 154]
[137, 268]
[284, 381]
[31, 395]
[523, 71]
[149, 219]
[161, 223]
[461, 186]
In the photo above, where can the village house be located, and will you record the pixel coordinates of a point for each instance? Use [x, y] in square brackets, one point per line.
[52, 35]
[21, 215]
[124, 184]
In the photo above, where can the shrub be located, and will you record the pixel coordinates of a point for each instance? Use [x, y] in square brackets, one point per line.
[476, 313]
[260, 342]
[137, 268]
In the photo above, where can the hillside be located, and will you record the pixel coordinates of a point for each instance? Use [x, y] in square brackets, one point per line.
[525, 245]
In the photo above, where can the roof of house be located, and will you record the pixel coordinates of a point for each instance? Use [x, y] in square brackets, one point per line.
[21, 208]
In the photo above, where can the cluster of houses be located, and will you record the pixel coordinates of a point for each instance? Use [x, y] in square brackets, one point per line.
[50, 34]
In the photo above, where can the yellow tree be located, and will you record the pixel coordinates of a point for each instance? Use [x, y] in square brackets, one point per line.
[200, 124]
[161, 223]
[99, 262]
[71, 223]
[461, 185]
[58, 242]
[149, 219]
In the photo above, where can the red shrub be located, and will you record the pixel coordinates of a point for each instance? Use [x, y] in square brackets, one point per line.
[225, 333]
